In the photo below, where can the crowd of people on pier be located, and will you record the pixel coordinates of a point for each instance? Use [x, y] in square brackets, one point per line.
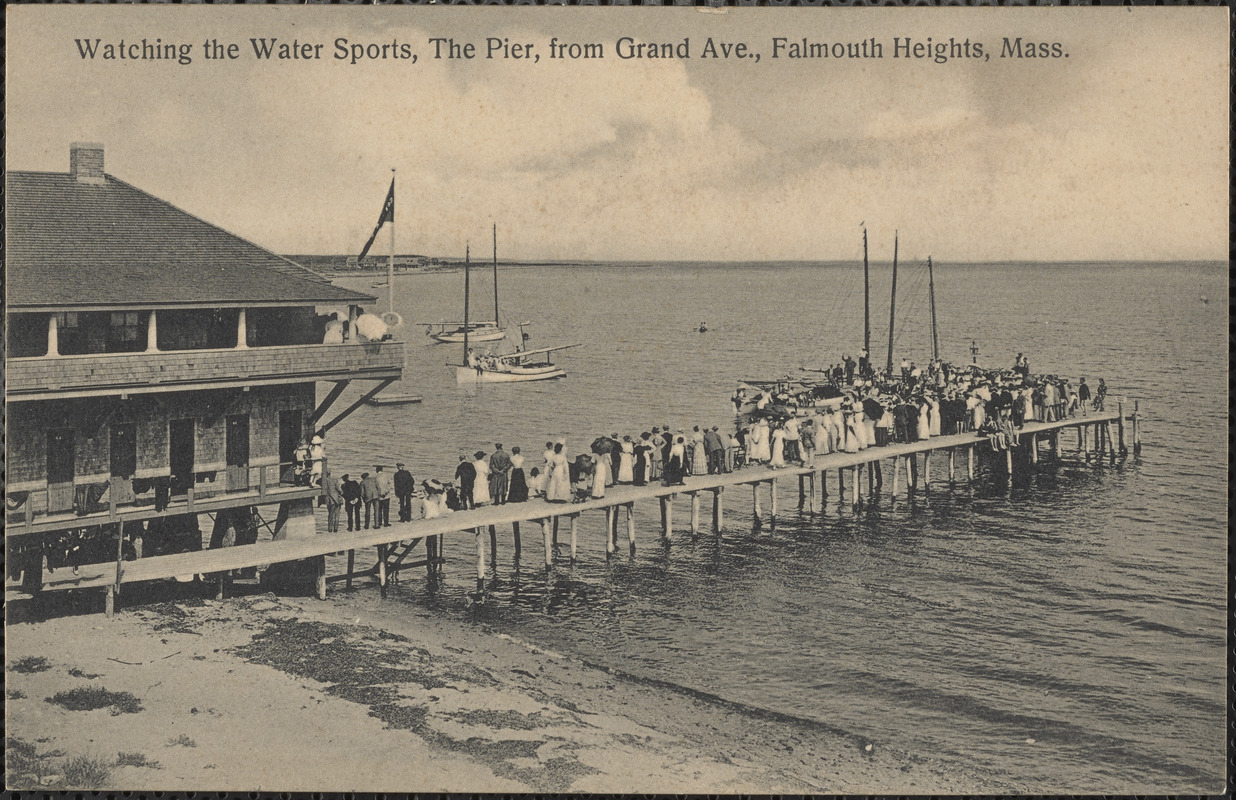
[851, 408]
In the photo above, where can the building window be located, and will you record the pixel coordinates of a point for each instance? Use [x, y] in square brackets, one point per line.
[126, 335]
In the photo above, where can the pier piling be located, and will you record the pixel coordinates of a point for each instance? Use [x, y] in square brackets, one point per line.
[970, 463]
[1034, 449]
[772, 491]
[1137, 434]
[669, 517]
[321, 577]
[609, 538]
[695, 514]
[545, 535]
[717, 510]
[951, 452]
[381, 569]
[351, 568]
[574, 535]
[515, 531]
[631, 526]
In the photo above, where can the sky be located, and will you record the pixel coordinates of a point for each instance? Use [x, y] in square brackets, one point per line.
[1118, 151]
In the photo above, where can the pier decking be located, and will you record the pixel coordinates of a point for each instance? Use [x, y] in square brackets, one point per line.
[1108, 436]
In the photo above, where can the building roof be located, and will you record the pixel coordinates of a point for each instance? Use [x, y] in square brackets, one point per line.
[77, 244]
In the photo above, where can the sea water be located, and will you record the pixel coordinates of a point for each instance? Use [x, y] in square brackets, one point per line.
[1065, 632]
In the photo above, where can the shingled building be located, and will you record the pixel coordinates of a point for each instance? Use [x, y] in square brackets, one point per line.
[157, 367]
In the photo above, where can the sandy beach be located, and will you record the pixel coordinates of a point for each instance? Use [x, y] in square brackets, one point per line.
[294, 694]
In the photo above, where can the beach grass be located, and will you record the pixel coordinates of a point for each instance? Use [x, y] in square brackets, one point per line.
[89, 698]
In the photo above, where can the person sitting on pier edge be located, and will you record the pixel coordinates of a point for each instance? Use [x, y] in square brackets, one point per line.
[434, 504]
[582, 472]
[465, 477]
[405, 485]
[536, 483]
[352, 502]
[517, 489]
[499, 469]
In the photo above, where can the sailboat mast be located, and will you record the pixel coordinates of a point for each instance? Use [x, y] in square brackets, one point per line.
[496, 325]
[866, 299]
[892, 307]
[931, 290]
[466, 287]
[390, 264]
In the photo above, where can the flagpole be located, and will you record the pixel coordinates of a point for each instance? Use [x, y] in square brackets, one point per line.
[390, 265]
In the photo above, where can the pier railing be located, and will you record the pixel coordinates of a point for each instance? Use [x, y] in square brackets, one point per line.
[31, 513]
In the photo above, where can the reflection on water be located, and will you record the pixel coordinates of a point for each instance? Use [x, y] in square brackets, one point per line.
[1081, 607]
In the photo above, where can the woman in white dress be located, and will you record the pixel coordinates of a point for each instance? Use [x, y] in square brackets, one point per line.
[626, 462]
[860, 428]
[777, 456]
[933, 415]
[758, 447]
[558, 489]
[851, 432]
[598, 476]
[924, 423]
[699, 457]
[480, 492]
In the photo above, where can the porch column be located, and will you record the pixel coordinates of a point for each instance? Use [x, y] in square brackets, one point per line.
[53, 334]
[152, 333]
[242, 334]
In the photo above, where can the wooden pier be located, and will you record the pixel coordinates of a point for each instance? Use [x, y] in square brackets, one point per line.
[1100, 434]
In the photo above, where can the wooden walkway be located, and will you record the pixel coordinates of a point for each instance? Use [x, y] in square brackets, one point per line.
[1105, 428]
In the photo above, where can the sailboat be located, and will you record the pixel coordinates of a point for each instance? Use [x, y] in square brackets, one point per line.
[519, 366]
[391, 398]
[478, 331]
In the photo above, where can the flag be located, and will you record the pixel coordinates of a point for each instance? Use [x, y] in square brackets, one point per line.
[388, 215]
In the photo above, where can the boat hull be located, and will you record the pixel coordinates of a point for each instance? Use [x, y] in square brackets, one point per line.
[393, 400]
[515, 374]
[480, 335]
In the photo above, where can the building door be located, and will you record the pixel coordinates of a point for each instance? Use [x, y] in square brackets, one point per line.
[291, 430]
[181, 440]
[61, 465]
[237, 452]
[124, 449]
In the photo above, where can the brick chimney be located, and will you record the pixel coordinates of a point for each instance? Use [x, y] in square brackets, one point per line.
[86, 162]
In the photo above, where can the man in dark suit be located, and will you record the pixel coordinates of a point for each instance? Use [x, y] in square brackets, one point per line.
[405, 485]
[714, 449]
[465, 475]
[352, 502]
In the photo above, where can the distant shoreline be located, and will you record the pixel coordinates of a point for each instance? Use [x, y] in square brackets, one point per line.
[336, 265]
